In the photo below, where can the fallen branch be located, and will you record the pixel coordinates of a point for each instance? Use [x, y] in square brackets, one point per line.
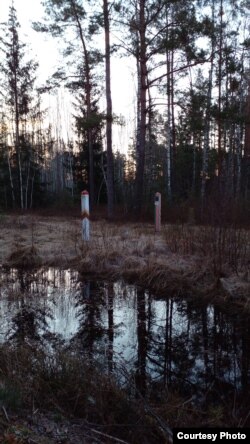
[5, 413]
[109, 436]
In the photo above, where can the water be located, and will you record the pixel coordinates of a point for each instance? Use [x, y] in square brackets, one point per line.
[198, 350]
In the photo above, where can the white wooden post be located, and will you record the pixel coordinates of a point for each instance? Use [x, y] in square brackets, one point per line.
[85, 215]
[157, 212]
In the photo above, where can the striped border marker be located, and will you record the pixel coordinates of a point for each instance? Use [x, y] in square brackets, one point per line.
[85, 215]
[157, 212]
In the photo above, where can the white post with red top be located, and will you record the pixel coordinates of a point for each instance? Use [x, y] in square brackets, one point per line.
[85, 215]
[157, 212]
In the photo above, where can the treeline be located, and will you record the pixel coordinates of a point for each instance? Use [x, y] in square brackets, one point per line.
[191, 138]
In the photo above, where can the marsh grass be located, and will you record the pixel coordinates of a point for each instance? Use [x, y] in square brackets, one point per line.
[182, 257]
[225, 248]
[24, 257]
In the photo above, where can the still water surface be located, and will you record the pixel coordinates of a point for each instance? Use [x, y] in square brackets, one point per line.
[166, 341]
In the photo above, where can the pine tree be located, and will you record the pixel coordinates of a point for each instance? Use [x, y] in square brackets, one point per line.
[17, 89]
[59, 14]
[110, 160]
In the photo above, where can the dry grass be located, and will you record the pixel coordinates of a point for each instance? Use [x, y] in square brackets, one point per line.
[200, 260]
[203, 260]
[64, 398]
[70, 387]
[24, 257]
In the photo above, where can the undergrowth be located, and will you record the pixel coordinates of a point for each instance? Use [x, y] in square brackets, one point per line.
[226, 248]
[73, 387]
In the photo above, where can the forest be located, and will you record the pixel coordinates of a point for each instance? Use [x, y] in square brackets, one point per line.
[138, 328]
[191, 119]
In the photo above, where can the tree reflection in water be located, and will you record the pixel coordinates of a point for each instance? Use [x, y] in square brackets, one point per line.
[142, 338]
[110, 303]
[29, 321]
[90, 304]
[166, 343]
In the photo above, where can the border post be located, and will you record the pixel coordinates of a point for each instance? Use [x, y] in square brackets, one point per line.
[157, 212]
[85, 215]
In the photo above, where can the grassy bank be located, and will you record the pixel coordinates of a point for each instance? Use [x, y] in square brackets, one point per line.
[64, 397]
[207, 261]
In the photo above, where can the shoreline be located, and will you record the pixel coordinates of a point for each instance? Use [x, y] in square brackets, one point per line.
[172, 261]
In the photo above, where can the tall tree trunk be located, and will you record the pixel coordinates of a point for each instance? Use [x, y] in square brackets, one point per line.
[138, 102]
[247, 125]
[230, 162]
[11, 179]
[169, 138]
[27, 185]
[206, 147]
[195, 141]
[88, 103]
[149, 161]
[247, 144]
[239, 139]
[110, 160]
[169, 77]
[139, 178]
[173, 105]
[17, 139]
[220, 88]
[14, 63]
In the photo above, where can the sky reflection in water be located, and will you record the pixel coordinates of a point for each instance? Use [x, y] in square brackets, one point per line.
[170, 341]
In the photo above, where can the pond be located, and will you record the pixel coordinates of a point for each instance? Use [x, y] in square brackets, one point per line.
[195, 349]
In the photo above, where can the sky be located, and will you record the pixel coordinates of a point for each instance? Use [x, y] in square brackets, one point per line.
[41, 47]
[45, 50]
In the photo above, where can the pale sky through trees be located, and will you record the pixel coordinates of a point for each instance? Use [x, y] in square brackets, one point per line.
[46, 51]
[41, 46]
[178, 76]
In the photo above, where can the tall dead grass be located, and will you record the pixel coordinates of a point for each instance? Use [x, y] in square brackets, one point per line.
[226, 249]
[68, 384]
[182, 257]
[24, 257]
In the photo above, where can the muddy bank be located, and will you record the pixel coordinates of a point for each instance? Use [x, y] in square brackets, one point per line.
[203, 261]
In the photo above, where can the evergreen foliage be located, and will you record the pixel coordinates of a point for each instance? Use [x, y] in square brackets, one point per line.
[191, 122]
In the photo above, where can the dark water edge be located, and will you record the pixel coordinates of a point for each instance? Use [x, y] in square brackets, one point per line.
[161, 344]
